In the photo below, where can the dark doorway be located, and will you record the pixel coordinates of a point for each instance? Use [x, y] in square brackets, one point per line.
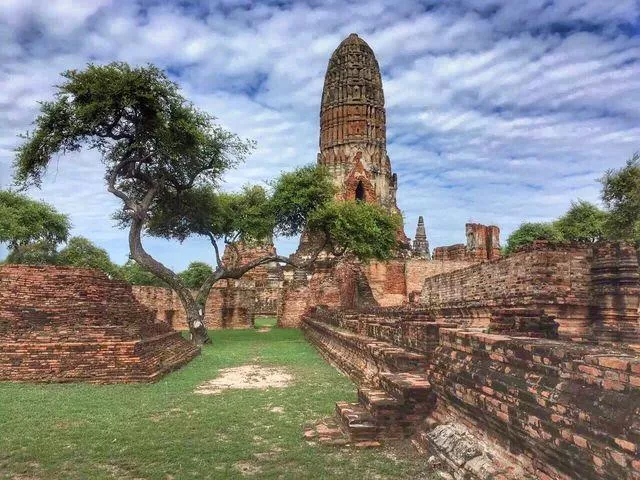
[360, 192]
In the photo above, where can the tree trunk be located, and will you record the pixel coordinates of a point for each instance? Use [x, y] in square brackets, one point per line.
[195, 312]
[195, 319]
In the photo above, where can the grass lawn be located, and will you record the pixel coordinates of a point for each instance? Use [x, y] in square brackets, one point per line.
[262, 322]
[165, 431]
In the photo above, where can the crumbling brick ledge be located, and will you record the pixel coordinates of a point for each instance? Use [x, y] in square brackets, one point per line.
[62, 324]
[486, 405]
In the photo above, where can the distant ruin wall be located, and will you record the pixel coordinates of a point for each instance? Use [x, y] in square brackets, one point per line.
[352, 284]
[72, 324]
[417, 270]
[592, 291]
[228, 306]
[483, 243]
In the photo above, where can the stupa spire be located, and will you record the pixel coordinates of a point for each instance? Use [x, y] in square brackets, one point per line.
[420, 242]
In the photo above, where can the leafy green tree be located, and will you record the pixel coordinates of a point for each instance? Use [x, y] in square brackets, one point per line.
[528, 233]
[584, 222]
[82, 252]
[352, 225]
[196, 274]
[134, 274]
[621, 196]
[37, 253]
[164, 160]
[24, 221]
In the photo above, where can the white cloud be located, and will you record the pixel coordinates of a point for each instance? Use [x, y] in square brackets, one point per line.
[498, 111]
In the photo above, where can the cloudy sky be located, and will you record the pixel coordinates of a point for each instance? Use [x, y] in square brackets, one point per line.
[497, 111]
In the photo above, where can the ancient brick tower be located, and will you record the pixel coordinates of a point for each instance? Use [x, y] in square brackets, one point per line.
[353, 126]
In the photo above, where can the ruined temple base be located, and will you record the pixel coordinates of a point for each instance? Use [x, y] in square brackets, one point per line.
[479, 405]
[61, 324]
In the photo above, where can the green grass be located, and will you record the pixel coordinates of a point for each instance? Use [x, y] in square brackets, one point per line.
[262, 322]
[165, 431]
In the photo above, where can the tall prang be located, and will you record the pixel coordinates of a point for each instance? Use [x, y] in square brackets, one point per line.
[353, 127]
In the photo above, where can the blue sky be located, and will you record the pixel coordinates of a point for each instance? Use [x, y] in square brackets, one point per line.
[497, 111]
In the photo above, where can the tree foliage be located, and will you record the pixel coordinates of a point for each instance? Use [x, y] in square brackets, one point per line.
[196, 274]
[621, 196]
[134, 274]
[24, 221]
[528, 233]
[82, 252]
[37, 253]
[363, 229]
[296, 195]
[583, 222]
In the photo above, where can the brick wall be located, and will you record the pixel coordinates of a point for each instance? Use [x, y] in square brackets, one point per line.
[592, 291]
[527, 407]
[70, 324]
[350, 284]
[483, 243]
[417, 270]
[563, 410]
[230, 304]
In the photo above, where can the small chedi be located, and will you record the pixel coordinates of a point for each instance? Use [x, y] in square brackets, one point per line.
[61, 324]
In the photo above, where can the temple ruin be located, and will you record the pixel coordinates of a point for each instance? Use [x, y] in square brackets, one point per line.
[522, 367]
[64, 324]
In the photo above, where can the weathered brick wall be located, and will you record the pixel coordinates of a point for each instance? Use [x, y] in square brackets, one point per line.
[294, 304]
[387, 281]
[230, 305]
[417, 270]
[591, 291]
[70, 324]
[564, 410]
[483, 243]
[456, 252]
[350, 284]
[164, 303]
[557, 409]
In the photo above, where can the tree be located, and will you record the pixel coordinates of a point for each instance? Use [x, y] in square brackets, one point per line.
[621, 196]
[134, 274]
[353, 224]
[37, 253]
[164, 160]
[528, 232]
[196, 274]
[583, 222]
[24, 221]
[81, 252]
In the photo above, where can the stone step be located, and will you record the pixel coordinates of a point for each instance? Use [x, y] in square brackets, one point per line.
[394, 357]
[356, 422]
[406, 387]
[374, 400]
[387, 412]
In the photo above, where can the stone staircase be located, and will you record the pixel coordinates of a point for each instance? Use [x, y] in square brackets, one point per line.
[394, 394]
[392, 412]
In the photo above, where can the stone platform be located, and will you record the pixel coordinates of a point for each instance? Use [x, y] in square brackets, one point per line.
[62, 324]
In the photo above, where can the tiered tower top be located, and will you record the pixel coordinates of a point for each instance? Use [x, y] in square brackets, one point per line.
[352, 109]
